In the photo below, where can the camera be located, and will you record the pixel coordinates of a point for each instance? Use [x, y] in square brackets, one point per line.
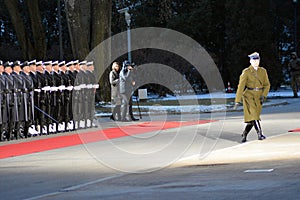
[126, 63]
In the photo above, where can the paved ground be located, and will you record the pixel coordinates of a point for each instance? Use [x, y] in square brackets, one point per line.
[196, 162]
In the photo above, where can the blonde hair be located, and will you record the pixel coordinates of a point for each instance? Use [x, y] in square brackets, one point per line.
[114, 65]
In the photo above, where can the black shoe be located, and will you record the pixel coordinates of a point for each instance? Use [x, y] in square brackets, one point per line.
[134, 119]
[112, 118]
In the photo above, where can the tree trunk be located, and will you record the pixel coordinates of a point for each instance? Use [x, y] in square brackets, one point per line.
[17, 21]
[89, 23]
[78, 16]
[100, 21]
[38, 33]
[100, 30]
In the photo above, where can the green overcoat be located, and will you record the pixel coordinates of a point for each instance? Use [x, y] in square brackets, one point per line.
[252, 85]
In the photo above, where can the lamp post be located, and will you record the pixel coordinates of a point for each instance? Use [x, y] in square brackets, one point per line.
[295, 25]
[128, 21]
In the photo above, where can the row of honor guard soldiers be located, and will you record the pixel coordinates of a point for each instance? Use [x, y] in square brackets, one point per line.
[45, 97]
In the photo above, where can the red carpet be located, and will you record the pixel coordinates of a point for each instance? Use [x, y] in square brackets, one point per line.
[295, 130]
[29, 147]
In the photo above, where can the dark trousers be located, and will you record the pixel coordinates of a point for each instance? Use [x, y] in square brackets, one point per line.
[125, 106]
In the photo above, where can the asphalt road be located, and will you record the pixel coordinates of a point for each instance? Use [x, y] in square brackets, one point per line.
[203, 161]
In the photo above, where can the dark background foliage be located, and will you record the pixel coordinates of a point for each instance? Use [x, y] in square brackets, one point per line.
[228, 29]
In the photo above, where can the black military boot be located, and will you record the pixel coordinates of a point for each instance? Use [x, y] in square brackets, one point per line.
[246, 131]
[258, 130]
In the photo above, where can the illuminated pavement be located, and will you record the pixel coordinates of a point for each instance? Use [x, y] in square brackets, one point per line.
[214, 166]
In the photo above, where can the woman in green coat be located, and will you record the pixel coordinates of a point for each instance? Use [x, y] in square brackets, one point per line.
[253, 89]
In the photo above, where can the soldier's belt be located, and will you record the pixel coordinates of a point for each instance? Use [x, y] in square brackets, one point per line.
[37, 90]
[69, 88]
[82, 86]
[53, 89]
[255, 89]
[77, 88]
[89, 86]
[61, 87]
[46, 88]
[95, 86]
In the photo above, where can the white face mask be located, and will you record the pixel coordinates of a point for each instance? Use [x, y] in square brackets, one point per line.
[255, 63]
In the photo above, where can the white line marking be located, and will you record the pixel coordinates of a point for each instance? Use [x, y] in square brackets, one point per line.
[75, 187]
[258, 170]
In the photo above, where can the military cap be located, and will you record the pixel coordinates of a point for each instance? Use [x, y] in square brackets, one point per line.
[75, 62]
[254, 56]
[17, 63]
[294, 53]
[90, 63]
[48, 63]
[83, 62]
[33, 62]
[24, 64]
[55, 63]
[69, 63]
[7, 64]
[1, 62]
[62, 63]
[39, 63]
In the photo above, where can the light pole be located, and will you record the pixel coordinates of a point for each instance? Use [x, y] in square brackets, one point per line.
[295, 25]
[128, 21]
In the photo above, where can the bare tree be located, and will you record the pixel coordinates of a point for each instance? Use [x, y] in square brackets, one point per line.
[37, 48]
[89, 24]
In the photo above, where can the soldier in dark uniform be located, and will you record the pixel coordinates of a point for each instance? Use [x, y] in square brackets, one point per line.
[84, 92]
[11, 101]
[36, 90]
[48, 83]
[3, 117]
[80, 98]
[91, 88]
[28, 97]
[69, 89]
[41, 96]
[66, 94]
[20, 105]
[76, 97]
[57, 97]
